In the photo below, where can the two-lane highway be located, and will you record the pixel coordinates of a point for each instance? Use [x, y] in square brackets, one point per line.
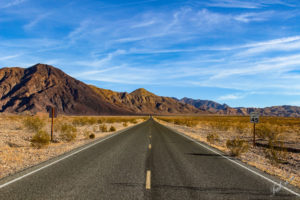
[148, 161]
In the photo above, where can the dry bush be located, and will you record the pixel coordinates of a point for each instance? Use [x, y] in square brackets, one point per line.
[276, 155]
[125, 124]
[92, 136]
[68, 132]
[103, 128]
[40, 139]
[112, 129]
[34, 123]
[89, 135]
[86, 134]
[237, 146]
[133, 121]
[96, 128]
[212, 137]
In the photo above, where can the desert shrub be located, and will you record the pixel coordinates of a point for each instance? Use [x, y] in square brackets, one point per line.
[96, 128]
[68, 132]
[86, 134]
[100, 121]
[275, 152]
[34, 123]
[237, 146]
[92, 136]
[276, 155]
[125, 124]
[103, 128]
[40, 139]
[212, 137]
[134, 121]
[112, 129]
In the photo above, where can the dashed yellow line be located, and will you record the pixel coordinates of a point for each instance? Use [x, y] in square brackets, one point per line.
[150, 146]
[148, 180]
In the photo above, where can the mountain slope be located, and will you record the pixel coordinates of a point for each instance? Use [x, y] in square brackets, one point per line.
[223, 109]
[143, 101]
[204, 104]
[36, 88]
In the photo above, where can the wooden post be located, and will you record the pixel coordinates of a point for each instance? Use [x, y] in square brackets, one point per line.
[254, 134]
[52, 122]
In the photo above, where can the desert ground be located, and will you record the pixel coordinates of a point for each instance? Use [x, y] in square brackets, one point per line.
[24, 140]
[277, 149]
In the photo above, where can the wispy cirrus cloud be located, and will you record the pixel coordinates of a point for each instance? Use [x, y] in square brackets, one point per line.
[11, 3]
[234, 4]
[35, 21]
[231, 97]
[9, 57]
[248, 4]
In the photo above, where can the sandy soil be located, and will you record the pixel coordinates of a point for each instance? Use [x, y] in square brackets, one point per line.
[254, 156]
[16, 152]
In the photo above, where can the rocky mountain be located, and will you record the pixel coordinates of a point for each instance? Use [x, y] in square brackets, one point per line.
[37, 88]
[223, 109]
[143, 101]
[205, 104]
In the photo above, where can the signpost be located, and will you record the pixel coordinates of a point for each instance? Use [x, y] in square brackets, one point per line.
[52, 115]
[254, 118]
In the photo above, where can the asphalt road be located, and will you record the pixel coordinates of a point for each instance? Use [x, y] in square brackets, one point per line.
[126, 166]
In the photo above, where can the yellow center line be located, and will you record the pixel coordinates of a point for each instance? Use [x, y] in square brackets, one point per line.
[148, 180]
[150, 146]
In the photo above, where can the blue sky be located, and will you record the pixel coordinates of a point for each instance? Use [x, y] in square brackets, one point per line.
[239, 52]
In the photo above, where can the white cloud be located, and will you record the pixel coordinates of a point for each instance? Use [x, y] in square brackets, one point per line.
[231, 97]
[144, 24]
[234, 4]
[248, 4]
[11, 3]
[9, 57]
[103, 62]
[35, 21]
[254, 17]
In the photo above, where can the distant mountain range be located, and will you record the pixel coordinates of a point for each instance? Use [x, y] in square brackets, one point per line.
[41, 86]
[223, 109]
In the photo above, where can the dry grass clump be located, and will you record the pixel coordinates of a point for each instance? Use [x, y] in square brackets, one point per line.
[125, 124]
[89, 135]
[40, 139]
[212, 137]
[275, 151]
[103, 128]
[237, 146]
[34, 123]
[112, 129]
[68, 132]
[92, 136]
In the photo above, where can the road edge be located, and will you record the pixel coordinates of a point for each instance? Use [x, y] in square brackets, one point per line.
[5, 181]
[272, 179]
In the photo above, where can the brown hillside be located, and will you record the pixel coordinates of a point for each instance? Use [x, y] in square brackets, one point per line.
[35, 88]
[143, 101]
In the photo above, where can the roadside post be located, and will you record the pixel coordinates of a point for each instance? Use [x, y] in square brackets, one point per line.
[254, 118]
[52, 115]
